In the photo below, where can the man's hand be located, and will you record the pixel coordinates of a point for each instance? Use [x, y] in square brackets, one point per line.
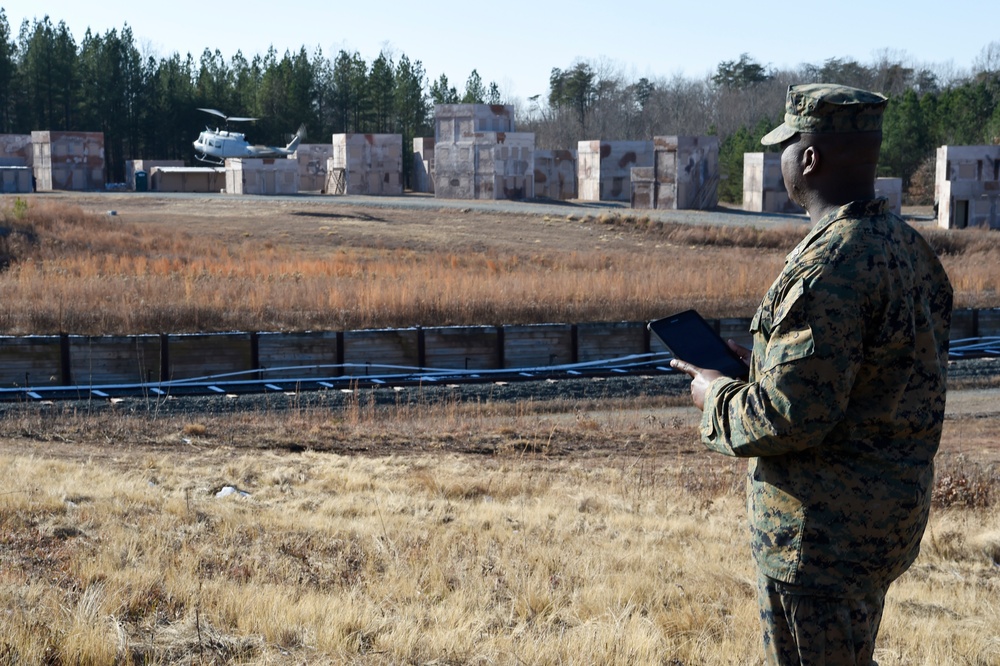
[740, 350]
[700, 379]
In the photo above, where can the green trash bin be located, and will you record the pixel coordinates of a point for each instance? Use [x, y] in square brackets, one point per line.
[141, 181]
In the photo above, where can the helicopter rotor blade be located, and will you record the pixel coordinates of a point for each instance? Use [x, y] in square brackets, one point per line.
[216, 112]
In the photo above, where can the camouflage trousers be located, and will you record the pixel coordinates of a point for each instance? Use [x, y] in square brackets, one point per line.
[805, 628]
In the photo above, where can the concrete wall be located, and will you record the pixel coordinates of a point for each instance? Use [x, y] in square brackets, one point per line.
[68, 160]
[366, 164]
[555, 174]
[423, 165]
[763, 188]
[312, 159]
[131, 166]
[16, 179]
[892, 190]
[967, 186]
[267, 176]
[684, 175]
[604, 168]
[186, 179]
[17, 146]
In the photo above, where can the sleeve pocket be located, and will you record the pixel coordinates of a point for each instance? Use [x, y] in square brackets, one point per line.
[791, 346]
[791, 335]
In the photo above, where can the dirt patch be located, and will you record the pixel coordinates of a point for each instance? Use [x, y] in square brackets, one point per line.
[312, 224]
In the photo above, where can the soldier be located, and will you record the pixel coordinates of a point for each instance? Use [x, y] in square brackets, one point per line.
[842, 413]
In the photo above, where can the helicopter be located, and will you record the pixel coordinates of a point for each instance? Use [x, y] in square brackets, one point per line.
[214, 146]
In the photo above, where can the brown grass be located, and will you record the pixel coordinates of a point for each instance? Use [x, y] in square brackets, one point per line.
[629, 548]
[84, 273]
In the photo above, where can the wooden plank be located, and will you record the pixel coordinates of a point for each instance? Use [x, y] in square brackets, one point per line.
[989, 322]
[308, 348]
[108, 359]
[462, 347]
[393, 347]
[538, 345]
[607, 340]
[30, 361]
[963, 324]
[206, 354]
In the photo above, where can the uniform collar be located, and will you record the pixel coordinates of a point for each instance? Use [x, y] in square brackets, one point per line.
[855, 209]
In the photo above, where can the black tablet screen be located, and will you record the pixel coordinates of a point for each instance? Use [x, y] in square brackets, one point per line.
[690, 338]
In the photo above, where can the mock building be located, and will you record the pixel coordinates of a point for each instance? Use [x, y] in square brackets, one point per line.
[366, 164]
[604, 168]
[763, 187]
[555, 174]
[313, 159]
[967, 186]
[684, 175]
[423, 165]
[478, 155]
[68, 160]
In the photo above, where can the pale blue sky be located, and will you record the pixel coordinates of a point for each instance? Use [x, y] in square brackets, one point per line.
[516, 43]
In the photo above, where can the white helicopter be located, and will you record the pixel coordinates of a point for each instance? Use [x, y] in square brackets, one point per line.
[214, 146]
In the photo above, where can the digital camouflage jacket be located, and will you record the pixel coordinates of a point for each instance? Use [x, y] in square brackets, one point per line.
[843, 411]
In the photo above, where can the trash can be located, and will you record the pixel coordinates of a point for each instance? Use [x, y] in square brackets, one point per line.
[141, 181]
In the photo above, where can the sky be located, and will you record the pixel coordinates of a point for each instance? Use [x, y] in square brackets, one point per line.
[516, 44]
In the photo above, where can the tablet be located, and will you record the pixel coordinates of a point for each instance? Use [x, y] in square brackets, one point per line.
[690, 338]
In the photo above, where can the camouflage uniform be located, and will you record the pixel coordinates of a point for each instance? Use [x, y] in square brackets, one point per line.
[841, 419]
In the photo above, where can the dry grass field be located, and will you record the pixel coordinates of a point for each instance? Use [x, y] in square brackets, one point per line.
[180, 264]
[423, 533]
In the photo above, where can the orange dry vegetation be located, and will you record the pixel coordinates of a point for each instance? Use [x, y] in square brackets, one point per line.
[67, 270]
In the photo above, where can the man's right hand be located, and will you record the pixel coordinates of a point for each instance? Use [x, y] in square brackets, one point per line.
[740, 350]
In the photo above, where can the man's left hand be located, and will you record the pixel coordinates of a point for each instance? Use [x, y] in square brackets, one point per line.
[700, 379]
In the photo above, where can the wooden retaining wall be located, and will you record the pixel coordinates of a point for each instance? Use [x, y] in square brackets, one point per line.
[73, 360]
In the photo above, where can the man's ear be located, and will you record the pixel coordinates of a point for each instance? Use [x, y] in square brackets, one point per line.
[810, 160]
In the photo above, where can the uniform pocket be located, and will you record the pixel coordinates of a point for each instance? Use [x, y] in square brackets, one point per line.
[791, 336]
[791, 346]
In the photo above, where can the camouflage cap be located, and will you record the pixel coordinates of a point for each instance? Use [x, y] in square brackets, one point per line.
[825, 108]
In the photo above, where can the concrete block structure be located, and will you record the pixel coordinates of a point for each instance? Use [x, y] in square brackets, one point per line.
[423, 165]
[131, 166]
[68, 160]
[604, 168]
[478, 155]
[267, 176]
[366, 164]
[763, 187]
[684, 175]
[892, 190]
[967, 186]
[313, 159]
[17, 148]
[555, 174]
[186, 179]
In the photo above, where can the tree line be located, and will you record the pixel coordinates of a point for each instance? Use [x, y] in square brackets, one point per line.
[147, 105]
